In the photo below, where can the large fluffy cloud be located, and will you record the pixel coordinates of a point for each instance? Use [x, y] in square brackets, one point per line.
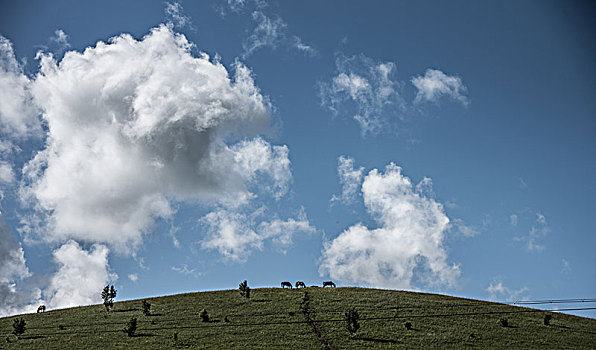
[18, 116]
[80, 277]
[135, 124]
[406, 248]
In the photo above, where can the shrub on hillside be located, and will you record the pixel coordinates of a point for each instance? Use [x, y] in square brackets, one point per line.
[547, 319]
[19, 327]
[503, 322]
[408, 325]
[131, 327]
[352, 323]
[146, 308]
[204, 315]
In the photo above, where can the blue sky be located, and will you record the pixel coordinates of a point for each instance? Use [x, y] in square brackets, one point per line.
[443, 147]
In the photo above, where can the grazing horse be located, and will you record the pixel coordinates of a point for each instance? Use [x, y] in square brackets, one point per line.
[286, 284]
[41, 308]
[300, 283]
[328, 283]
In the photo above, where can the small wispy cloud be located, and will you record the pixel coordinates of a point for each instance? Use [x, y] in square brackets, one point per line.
[513, 219]
[58, 43]
[186, 271]
[538, 230]
[271, 31]
[298, 44]
[436, 84]
[238, 6]
[565, 267]
[536, 225]
[176, 17]
[350, 179]
[368, 85]
[267, 33]
[463, 229]
[133, 277]
[498, 291]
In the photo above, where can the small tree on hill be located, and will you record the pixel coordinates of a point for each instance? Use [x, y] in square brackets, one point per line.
[352, 318]
[244, 289]
[108, 294]
[204, 315]
[19, 326]
[131, 327]
[146, 308]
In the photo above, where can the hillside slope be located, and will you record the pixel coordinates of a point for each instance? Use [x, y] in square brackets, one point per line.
[277, 318]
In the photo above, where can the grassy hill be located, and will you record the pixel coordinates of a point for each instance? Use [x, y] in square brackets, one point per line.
[276, 318]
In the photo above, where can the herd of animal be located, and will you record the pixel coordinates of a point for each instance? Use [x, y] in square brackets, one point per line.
[299, 284]
[284, 284]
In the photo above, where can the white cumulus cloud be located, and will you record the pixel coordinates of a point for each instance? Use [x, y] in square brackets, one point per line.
[436, 84]
[18, 115]
[80, 277]
[406, 247]
[234, 233]
[136, 124]
[6, 172]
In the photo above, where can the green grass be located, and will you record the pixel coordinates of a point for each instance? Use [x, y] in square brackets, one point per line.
[273, 319]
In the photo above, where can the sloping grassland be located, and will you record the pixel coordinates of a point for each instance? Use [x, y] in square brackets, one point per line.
[307, 318]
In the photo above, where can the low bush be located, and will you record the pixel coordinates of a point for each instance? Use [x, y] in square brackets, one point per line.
[146, 308]
[19, 326]
[131, 327]
[547, 319]
[408, 325]
[503, 322]
[204, 315]
[352, 323]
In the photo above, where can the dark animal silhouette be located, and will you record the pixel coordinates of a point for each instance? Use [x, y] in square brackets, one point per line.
[286, 284]
[41, 308]
[300, 283]
[328, 284]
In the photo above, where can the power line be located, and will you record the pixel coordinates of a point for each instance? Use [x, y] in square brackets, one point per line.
[553, 301]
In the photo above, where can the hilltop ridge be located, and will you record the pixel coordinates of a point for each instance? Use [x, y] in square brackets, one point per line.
[307, 318]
